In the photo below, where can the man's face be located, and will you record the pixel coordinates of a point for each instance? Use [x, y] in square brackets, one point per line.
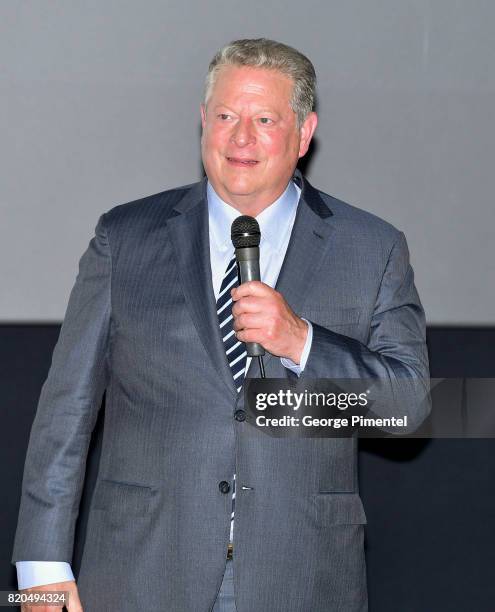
[251, 142]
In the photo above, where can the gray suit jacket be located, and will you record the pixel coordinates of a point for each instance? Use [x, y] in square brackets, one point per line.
[141, 323]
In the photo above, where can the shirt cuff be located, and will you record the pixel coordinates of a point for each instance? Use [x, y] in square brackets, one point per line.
[37, 573]
[295, 367]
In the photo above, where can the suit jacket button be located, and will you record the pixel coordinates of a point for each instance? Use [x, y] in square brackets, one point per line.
[224, 486]
[239, 415]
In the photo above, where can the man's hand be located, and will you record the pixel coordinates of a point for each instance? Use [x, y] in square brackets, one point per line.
[262, 315]
[74, 604]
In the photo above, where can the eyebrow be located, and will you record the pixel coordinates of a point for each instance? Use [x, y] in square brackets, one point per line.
[257, 112]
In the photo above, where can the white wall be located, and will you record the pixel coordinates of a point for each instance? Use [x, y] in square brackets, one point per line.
[99, 105]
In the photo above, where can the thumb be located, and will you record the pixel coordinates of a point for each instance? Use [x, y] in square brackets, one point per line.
[74, 604]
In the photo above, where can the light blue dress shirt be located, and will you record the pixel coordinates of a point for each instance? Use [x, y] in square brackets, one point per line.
[276, 223]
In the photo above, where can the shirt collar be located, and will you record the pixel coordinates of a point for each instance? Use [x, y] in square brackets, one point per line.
[275, 220]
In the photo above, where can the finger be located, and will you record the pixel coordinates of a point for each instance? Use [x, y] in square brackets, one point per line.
[53, 608]
[75, 606]
[249, 304]
[251, 335]
[249, 321]
[74, 601]
[256, 288]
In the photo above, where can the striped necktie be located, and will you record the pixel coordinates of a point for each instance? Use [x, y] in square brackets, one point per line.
[234, 349]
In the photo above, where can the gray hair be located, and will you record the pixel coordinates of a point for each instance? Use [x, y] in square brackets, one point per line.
[272, 55]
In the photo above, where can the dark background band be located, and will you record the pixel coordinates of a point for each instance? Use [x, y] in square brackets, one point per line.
[430, 504]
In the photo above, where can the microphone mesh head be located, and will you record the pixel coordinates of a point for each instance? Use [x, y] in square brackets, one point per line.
[245, 232]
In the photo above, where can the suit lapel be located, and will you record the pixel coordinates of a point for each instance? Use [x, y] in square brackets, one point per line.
[189, 234]
[307, 247]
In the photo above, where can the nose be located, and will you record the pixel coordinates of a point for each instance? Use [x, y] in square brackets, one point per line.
[243, 133]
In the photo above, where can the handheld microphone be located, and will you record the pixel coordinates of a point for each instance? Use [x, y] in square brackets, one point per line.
[246, 236]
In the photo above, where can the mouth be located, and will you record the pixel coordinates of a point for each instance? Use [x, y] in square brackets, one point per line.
[241, 162]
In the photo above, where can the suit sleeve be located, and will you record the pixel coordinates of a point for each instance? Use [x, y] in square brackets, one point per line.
[395, 356]
[67, 411]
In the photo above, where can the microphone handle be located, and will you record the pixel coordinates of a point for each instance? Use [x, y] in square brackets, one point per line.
[248, 269]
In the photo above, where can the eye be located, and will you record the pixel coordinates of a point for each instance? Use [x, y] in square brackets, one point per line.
[266, 120]
[223, 117]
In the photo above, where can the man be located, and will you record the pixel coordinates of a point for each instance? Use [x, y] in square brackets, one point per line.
[150, 321]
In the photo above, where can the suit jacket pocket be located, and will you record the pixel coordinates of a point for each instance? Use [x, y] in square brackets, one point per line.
[124, 497]
[333, 317]
[339, 509]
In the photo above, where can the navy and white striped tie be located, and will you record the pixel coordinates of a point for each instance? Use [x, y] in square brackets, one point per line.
[234, 349]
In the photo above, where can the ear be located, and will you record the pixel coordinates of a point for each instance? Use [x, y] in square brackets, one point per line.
[307, 130]
[202, 109]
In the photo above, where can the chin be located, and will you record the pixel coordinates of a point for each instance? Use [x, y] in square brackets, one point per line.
[239, 188]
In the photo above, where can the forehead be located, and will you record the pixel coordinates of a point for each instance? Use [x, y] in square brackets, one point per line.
[250, 84]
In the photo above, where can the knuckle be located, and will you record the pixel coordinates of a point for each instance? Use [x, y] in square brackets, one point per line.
[269, 333]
